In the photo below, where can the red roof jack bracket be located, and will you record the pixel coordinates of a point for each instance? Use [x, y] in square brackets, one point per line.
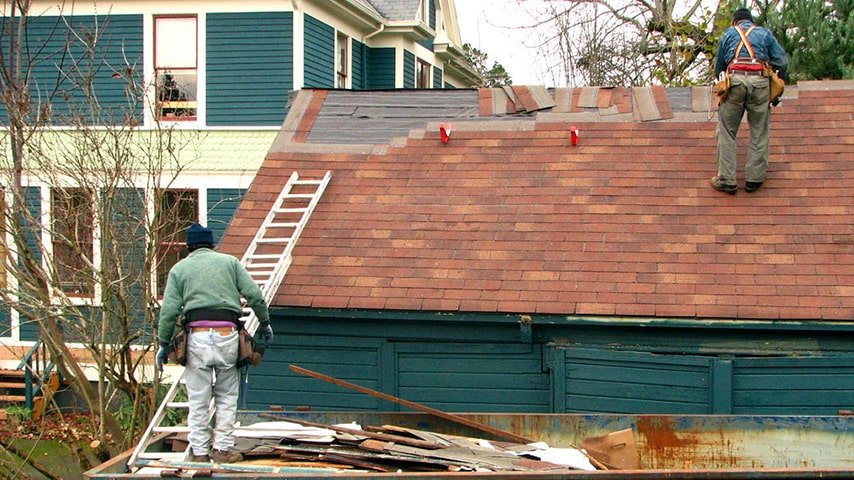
[445, 131]
[573, 135]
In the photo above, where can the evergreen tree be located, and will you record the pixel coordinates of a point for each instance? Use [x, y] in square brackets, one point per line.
[495, 76]
[818, 36]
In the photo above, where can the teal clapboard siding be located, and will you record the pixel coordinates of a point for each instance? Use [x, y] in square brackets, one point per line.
[496, 378]
[490, 362]
[359, 66]
[32, 230]
[60, 63]
[222, 203]
[431, 21]
[381, 68]
[820, 385]
[437, 77]
[351, 359]
[408, 69]
[319, 54]
[249, 67]
[125, 206]
[631, 382]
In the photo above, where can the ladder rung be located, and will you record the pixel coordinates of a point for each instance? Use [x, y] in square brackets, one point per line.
[266, 255]
[261, 272]
[163, 455]
[290, 210]
[298, 195]
[308, 182]
[261, 265]
[275, 240]
[178, 404]
[175, 429]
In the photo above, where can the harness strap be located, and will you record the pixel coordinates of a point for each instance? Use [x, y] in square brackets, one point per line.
[744, 42]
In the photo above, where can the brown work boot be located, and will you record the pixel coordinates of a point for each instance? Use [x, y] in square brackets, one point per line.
[226, 456]
[198, 458]
[718, 184]
[752, 186]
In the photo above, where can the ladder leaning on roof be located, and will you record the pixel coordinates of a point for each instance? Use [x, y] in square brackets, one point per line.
[267, 259]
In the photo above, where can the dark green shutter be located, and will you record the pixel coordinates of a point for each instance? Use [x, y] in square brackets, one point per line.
[408, 69]
[319, 54]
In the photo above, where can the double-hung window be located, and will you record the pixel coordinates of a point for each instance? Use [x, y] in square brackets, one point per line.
[422, 74]
[177, 210]
[72, 237]
[176, 67]
[342, 62]
[424, 11]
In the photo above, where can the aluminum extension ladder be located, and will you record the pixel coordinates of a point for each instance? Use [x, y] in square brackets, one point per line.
[267, 260]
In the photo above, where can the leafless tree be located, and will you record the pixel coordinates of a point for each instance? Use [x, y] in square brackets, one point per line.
[84, 214]
[628, 42]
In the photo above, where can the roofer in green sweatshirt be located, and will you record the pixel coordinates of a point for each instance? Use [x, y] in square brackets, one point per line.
[206, 287]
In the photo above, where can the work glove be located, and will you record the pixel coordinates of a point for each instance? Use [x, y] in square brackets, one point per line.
[162, 356]
[264, 334]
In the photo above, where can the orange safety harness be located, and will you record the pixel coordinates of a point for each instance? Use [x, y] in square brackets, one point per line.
[746, 64]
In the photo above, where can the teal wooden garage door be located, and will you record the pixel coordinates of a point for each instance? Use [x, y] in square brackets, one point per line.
[617, 381]
[613, 381]
[472, 377]
[820, 385]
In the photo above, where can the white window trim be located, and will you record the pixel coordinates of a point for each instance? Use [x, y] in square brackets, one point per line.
[46, 224]
[150, 113]
[348, 82]
[46, 217]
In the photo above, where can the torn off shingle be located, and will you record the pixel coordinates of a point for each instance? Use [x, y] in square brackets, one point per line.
[588, 97]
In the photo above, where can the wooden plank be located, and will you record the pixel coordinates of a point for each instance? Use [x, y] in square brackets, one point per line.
[414, 405]
[360, 433]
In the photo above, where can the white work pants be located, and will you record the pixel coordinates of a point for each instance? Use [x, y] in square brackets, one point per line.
[211, 373]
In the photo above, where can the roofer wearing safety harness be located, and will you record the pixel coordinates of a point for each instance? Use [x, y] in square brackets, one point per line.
[206, 287]
[743, 51]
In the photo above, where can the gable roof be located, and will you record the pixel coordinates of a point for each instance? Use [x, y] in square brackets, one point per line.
[508, 216]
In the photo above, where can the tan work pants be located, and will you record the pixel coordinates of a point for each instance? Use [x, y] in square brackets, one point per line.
[751, 93]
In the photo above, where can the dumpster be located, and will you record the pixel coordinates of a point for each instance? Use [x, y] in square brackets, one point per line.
[668, 446]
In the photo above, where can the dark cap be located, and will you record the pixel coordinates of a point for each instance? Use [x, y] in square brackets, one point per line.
[741, 14]
[199, 235]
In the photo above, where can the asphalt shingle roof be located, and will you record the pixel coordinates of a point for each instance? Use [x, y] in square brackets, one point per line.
[397, 9]
[508, 216]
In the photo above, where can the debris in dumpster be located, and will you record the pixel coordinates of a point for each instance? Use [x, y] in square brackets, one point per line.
[414, 405]
[354, 449]
[616, 450]
[287, 444]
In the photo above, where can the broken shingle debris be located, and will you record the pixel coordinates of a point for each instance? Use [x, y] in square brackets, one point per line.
[290, 444]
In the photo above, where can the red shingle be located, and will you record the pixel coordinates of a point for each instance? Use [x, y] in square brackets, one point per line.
[514, 219]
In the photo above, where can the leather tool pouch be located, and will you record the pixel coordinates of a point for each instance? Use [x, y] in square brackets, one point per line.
[721, 89]
[180, 338]
[246, 347]
[776, 83]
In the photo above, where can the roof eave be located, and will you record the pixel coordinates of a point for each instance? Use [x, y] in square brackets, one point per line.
[357, 11]
[415, 30]
[455, 61]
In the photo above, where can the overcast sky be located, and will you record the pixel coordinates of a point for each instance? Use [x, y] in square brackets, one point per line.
[488, 25]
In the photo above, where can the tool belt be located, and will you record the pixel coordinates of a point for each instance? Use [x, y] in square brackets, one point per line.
[219, 330]
[757, 73]
[211, 314]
